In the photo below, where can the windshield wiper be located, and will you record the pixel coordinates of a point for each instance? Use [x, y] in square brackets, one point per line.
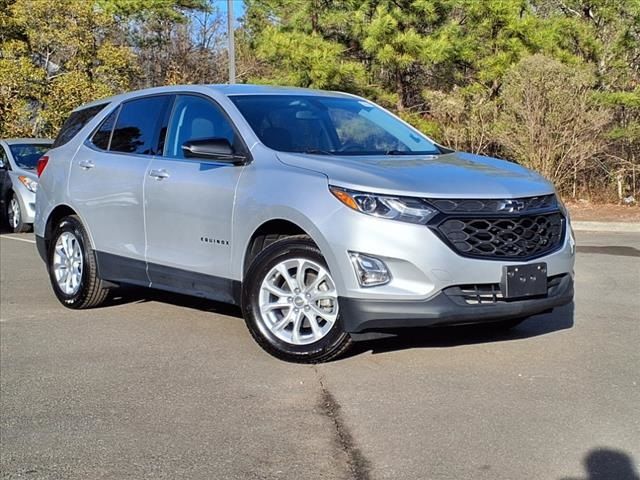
[404, 152]
[317, 151]
[395, 152]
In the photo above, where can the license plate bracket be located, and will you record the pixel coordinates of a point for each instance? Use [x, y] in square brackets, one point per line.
[524, 280]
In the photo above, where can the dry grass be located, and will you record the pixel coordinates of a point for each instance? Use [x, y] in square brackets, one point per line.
[584, 210]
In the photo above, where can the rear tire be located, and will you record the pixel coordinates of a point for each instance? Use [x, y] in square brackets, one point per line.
[72, 266]
[290, 303]
[14, 216]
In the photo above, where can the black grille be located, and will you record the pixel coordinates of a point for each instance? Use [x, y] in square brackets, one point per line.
[504, 237]
[520, 205]
[490, 293]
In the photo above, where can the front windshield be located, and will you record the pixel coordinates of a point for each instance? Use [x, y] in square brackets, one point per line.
[329, 125]
[26, 155]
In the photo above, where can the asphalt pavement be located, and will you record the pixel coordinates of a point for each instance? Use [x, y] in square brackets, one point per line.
[156, 385]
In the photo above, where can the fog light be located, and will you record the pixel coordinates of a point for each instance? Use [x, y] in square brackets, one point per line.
[369, 270]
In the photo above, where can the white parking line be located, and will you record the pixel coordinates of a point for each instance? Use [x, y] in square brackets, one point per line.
[18, 239]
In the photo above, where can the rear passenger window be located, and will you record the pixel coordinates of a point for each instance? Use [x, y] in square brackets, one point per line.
[138, 126]
[76, 121]
[103, 135]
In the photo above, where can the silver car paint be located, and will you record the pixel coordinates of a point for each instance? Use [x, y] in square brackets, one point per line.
[109, 195]
[184, 206]
[188, 215]
[475, 176]
[26, 197]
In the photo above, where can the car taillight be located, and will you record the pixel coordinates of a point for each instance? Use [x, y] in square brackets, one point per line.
[42, 163]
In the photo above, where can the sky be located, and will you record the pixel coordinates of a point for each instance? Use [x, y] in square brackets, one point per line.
[238, 7]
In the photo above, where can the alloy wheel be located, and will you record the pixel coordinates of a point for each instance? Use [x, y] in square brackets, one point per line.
[14, 213]
[298, 301]
[68, 263]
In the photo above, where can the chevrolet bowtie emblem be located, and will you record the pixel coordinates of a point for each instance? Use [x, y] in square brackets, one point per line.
[510, 206]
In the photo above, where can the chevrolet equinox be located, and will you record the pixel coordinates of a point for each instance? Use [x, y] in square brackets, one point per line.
[320, 214]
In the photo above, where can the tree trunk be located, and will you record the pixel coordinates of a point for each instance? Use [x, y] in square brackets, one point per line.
[400, 91]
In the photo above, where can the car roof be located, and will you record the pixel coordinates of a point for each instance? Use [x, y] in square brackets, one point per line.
[224, 89]
[15, 141]
[248, 89]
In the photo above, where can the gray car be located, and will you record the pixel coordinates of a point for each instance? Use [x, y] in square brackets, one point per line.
[19, 181]
[321, 214]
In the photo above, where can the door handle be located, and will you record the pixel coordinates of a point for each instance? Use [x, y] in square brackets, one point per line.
[159, 174]
[86, 164]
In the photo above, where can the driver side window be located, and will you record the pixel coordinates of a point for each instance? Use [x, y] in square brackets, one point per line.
[195, 118]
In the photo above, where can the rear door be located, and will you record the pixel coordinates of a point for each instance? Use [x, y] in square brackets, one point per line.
[106, 184]
[189, 204]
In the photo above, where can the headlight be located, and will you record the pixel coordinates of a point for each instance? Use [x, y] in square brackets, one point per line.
[31, 185]
[404, 209]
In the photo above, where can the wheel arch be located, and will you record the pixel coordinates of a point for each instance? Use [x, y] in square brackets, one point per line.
[57, 214]
[265, 234]
[268, 231]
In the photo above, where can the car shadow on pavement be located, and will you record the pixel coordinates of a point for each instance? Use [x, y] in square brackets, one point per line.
[402, 339]
[129, 294]
[608, 464]
[444, 337]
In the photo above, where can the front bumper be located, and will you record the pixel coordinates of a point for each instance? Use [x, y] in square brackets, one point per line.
[361, 315]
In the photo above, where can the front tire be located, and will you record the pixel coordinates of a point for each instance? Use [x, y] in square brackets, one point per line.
[14, 216]
[72, 266]
[290, 303]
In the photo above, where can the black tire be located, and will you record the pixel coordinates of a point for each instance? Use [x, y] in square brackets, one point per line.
[332, 345]
[18, 226]
[91, 291]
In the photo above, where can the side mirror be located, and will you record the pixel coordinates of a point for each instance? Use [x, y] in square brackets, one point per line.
[218, 149]
[3, 165]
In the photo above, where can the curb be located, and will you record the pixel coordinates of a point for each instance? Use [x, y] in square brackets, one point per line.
[630, 227]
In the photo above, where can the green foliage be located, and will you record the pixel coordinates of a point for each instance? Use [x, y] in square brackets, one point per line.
[466, 72]
[548, 121]
[146, 9]
[56, 56]
[307, 60]
[57, 59]
[20, 86]
[505, 78]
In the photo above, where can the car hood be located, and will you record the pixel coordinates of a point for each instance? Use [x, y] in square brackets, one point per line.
[453, 175]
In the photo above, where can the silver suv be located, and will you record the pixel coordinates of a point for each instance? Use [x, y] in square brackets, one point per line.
[321, 214]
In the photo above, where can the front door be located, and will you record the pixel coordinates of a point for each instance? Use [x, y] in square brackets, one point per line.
[189, 205]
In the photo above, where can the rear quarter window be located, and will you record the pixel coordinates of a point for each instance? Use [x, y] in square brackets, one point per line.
[102, 137]
[76, 121]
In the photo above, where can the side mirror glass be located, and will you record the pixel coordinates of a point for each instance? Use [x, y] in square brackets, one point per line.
[218, 149]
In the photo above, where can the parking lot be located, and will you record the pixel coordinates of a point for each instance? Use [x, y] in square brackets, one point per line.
[163, 386]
